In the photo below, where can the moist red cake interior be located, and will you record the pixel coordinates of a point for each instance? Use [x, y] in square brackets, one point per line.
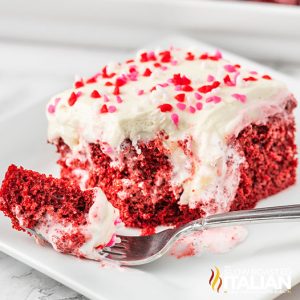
[35, 194]
[142, 191]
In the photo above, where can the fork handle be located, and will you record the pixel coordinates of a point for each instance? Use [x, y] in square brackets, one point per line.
[243, 217]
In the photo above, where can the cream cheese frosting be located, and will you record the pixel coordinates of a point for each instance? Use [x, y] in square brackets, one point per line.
[189, 95]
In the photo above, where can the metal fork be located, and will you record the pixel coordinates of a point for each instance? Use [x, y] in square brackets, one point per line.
[139, 250]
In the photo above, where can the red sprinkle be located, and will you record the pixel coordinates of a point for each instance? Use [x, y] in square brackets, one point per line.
[227, 80]
[95, 94]
[190, 56]
[144, 57]
[208, 88]
[157, 65]
[147, 72]
[187, 88]
[132, 69]
[151, 55]
[120, 81]
[116, 91]
[165, 56]
[180, 97]
[250, 78]
[165, 107]
[104, 109]
[92, 80]
[105, 74]
[267, 77]
[129, 61]
[217, 56]
[214, 57]
[180, 80]
[72, 99]
[78, 84]
[108, 83]
[203, 56]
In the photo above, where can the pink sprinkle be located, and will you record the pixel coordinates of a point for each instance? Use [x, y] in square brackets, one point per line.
[117, 221]
[140, 92]
[106, 99]
[192, 109]
[214, 99]
[133, 76]
[240, 97]
[175, 119]
[199, 105]
[218, 54]
[51, 109]
[210, 78]
[112, 109]
[198, 96]
[163, 84]
[119, 99]
[174, 62]
[78, 94]
[253, 72]
[229, 68]
[56, 101]
[181, 106]
[164, 68]
[178, 88]
[109, 150]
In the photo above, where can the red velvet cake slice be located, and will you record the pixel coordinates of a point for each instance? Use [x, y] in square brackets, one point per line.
[72, 221]
[174, 135]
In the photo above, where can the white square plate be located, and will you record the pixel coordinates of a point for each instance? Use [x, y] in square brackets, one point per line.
[23, 141]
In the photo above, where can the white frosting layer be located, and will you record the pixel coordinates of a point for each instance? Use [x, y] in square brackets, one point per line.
[207, 122]
[99, 230]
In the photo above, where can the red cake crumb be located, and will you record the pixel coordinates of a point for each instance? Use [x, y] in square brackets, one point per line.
[270, 153]
[31, 195]
[148, 231]
[141, 188]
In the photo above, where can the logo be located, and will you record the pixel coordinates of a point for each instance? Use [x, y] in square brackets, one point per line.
[215, 281]
[250, 280]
